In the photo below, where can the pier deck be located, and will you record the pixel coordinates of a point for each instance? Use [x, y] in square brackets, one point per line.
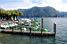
[36, 33]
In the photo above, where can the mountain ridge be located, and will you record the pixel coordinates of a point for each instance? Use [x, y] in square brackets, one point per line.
[42, 12]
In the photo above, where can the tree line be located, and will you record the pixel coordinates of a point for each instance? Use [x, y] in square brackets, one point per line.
[9, 13]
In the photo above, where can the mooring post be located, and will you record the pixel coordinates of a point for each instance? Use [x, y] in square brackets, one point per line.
[12, 29]
[55, 28]
[30, 28]
[21, 30]
[41, 31]
[41, 26]
[30, 31]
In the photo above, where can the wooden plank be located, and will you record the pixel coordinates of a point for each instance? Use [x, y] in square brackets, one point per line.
[32, 32]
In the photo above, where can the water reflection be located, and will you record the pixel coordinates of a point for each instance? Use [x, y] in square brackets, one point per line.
[42, 40]
[22, 39]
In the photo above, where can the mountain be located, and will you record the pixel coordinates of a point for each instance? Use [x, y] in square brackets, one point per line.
[42, 12]
[62, 14]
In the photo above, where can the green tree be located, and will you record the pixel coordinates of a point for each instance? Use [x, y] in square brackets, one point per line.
[15, 13]
[10, 13]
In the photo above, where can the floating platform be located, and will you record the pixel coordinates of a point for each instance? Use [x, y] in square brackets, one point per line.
[32, 33]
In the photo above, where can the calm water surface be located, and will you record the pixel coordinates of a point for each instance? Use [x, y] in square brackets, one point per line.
[61, 36]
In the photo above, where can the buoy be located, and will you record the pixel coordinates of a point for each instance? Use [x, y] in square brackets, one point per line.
[46, 30]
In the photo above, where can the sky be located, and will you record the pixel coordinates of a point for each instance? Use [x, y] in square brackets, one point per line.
[60, 5]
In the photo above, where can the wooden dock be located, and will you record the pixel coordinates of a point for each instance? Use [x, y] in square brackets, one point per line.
[33, 33]
[30, 32]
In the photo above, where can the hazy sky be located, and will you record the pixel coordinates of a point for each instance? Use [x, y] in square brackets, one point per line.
[60, 5]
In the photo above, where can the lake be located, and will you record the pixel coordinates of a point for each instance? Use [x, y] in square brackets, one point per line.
[60, 38]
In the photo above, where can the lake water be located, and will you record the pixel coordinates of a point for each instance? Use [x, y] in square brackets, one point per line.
[60, 38]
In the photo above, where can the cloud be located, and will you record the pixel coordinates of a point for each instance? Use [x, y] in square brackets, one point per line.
[16, 4]
[57, 4]
[60, 5]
